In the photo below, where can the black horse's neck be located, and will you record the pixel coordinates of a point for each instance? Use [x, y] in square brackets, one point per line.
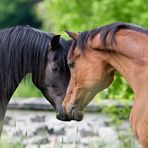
[22, 51]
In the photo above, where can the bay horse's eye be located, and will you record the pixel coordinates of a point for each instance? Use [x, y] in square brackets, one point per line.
[71, 63]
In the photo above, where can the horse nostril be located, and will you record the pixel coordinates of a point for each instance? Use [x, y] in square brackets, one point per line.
[54, 69]
[59, 116]
[60, 112]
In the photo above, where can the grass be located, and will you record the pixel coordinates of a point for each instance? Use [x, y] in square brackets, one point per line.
[6, 144]
[124, 136]
[126, 142]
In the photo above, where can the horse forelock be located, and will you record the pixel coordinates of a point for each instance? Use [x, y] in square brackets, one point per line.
[82, 39]
[71, 50]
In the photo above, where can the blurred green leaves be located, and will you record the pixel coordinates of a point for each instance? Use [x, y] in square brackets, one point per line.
[17, 12]
[76, 15]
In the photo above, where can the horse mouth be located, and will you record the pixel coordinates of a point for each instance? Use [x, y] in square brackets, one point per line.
[60, 114]
[62, 117]
[74, 114]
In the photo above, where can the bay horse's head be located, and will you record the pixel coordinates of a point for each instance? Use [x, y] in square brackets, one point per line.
[90, 74]
[55, 76]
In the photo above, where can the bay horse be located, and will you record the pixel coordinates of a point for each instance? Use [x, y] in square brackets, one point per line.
[24, 50]
[94, 57]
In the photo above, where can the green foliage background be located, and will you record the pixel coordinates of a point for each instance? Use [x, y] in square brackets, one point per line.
[18, 12]
[78, 15]
[75, 15]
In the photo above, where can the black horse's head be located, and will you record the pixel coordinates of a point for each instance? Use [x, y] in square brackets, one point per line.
[55, 77]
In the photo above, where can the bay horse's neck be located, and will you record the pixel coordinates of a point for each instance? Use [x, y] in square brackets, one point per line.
[130, 57]
[131, 60]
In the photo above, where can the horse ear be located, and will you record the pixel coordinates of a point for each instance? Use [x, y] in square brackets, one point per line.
[54, 41]
[73, 35]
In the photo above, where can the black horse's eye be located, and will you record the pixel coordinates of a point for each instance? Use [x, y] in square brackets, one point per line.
[54, 69]
[55, 58]
[71, 63]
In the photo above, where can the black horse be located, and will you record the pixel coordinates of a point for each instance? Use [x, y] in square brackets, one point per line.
[23, 50]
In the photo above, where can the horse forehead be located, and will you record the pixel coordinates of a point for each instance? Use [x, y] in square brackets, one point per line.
[51, 53]
[78, 50]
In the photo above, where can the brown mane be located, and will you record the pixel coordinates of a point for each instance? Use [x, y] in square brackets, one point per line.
[104, 30]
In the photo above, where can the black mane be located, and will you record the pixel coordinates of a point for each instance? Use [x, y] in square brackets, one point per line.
[23, 49]
[104, 30]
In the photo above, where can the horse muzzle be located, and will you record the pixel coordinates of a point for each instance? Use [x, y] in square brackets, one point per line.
[60, 114]
[74, 113]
